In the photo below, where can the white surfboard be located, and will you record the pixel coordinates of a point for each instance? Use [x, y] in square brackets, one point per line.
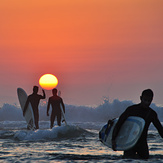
[128, 135]
[63, 114]
[29, 117]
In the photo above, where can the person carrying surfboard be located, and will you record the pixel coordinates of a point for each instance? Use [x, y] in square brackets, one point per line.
[34, 99]
[140, 150]
[55, 101]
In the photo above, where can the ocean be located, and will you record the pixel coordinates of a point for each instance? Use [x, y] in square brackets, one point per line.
[77, 142]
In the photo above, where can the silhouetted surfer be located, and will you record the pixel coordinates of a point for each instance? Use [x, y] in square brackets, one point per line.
[140, 150]
[34, 99]
[55, 101]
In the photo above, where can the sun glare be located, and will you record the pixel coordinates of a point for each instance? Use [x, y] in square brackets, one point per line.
[48, 81]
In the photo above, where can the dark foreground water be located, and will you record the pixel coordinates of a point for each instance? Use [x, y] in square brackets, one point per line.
[77, 142]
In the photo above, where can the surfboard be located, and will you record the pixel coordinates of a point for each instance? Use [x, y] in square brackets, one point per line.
[63, 114]
[128, 135]
[29, 117]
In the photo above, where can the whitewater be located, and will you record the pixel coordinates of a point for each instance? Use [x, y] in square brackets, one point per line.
[77, 142]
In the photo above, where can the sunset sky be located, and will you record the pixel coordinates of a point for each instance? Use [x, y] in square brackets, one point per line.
[95, 48]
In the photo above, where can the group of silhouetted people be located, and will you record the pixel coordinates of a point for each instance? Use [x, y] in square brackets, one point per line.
[55, 101]
[140, 150]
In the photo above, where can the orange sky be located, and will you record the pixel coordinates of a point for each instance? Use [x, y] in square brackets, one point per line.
[95, 48]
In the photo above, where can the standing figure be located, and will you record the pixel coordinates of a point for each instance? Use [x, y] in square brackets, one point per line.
[34, 99]
[140, 150]
[55, 101]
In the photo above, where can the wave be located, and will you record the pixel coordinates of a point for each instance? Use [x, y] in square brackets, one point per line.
[61, 156]
[102, 158]
[56, 133]
[101, 113]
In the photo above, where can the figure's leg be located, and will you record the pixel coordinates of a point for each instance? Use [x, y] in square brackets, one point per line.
[36, 120]
[52, 119]
[140, 151]
[59, 119]
[129, 153]
[143, 151]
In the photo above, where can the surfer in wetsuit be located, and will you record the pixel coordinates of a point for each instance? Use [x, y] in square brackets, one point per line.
[55, 101]
[34, 99]
[140, 150]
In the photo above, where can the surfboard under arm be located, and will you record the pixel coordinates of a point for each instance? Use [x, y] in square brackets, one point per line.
[128, 135]
[29, 117]
[63, 114]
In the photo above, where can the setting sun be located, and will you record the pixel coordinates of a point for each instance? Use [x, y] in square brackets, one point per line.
[48, 81]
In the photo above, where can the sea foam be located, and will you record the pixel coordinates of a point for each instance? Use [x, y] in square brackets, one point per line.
[63, 132]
